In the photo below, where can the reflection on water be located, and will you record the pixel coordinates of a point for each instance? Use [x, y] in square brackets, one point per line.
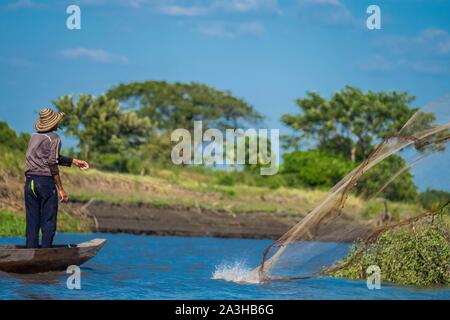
[49, 278]
[146, 267]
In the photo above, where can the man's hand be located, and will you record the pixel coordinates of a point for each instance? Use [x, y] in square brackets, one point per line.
[63, 196]
[83, 165]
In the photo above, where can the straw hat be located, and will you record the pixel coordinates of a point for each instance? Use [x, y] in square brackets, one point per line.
[48, 119]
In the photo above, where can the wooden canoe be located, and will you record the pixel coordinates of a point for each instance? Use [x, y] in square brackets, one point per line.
[19, 259]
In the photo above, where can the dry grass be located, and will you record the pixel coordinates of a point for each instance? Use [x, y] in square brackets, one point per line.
[188, 188]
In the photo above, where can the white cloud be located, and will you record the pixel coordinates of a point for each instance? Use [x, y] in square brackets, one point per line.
[176, 10]
[327, 12]
[24, 4]
[230, 30]
[375, 63]
[380, 64]
[179, 8]
[97, 55]
[125, 3]
[427, 52]
[193, 8]
[434, 40]
[247, 5]
[321, 2]
[430, 67]
[211, 9]
[431, 41]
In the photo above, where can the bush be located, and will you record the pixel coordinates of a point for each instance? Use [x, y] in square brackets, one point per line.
[314, 168]
[225, 179]
[433, 198]
[417, 256]
[118, 163]
[111, 162]
[272, 182]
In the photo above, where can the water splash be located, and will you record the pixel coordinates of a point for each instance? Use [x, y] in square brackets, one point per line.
[235, 272]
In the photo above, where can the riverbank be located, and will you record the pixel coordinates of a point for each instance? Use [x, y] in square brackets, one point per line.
[188, 203]
[146, 219]
[197, 222]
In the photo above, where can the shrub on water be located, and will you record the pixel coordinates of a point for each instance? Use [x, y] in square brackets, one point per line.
[419, 255]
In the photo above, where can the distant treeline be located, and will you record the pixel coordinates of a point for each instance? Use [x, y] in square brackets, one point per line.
[128, 129]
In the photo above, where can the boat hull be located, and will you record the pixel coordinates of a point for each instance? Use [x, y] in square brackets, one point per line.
[18, 259]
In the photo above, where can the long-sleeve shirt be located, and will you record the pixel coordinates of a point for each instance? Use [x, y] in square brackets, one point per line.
[43, 155]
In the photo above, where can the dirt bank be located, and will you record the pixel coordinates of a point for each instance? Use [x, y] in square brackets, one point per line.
[171, 221]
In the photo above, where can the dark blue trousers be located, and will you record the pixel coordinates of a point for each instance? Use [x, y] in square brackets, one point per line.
[41, 205]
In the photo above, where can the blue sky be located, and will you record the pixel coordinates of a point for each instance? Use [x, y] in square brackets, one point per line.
[266, 51]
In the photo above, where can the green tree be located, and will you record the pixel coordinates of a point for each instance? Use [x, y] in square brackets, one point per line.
[101, 126]
[10, 139]
[402, 188]
[177, 105]
[12, 150]
[351, 122]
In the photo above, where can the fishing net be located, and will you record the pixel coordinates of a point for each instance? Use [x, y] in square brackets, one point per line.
[304, 251]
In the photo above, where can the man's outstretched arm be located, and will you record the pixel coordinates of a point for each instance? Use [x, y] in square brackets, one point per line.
[68, 161]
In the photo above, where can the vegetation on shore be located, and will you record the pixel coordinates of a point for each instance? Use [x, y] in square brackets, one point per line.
[199, 187]
[13, 224]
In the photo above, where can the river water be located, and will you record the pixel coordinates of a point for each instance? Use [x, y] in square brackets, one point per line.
[150, 267]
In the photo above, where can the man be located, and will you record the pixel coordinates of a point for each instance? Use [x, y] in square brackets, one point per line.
[43, 183]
